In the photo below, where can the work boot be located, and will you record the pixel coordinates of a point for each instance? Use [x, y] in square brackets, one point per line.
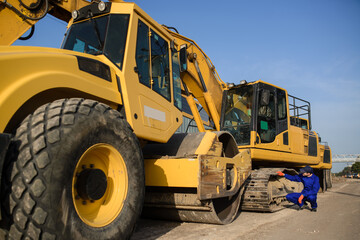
[314, 210]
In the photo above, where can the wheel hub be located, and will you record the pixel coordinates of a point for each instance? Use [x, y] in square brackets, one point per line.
[91, 184]
[100, 185]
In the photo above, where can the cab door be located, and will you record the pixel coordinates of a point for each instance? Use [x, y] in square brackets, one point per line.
[271, 118]
[152, 84]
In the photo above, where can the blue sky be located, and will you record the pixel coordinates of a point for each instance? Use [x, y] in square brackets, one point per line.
[309, 47]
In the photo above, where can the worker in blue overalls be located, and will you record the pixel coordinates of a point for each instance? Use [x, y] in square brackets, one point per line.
[311, 187]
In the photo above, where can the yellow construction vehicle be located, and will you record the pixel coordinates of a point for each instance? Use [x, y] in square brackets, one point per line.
[84, 128]
[274, 126]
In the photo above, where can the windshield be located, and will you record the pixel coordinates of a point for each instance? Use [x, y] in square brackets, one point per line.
[104, 35]
[237, 119]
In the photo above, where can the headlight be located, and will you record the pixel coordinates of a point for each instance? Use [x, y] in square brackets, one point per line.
[75, 14]
[101, 6]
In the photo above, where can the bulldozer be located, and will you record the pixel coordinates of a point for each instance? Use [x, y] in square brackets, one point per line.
[88, 132]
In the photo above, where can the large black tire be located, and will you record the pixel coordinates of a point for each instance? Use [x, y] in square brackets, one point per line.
[322, 179]
[328, 178]
[50, 143]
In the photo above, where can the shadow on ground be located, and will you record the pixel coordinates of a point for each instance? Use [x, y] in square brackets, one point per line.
[150, 229]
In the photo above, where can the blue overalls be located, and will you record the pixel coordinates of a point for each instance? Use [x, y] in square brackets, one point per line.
[311, 188]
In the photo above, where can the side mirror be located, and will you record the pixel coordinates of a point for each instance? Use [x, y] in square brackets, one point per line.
[265, 97]
[183, 58]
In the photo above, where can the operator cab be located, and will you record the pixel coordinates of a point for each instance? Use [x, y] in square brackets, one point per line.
[262, 116]
[144, 58]
[256, 107]
[299, 122]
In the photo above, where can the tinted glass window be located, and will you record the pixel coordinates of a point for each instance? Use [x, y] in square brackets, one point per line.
[104, 35]
[143, 54]
[116, 38]
[176, 80]
[156, 53]
[266, 127]
[304, 124]
[88, 36]
[160, 71]
[238, 114]
[281, 104]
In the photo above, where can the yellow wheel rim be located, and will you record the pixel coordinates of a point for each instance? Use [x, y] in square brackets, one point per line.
[99, 213]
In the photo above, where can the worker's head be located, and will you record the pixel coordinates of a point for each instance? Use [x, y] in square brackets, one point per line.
[306, 171]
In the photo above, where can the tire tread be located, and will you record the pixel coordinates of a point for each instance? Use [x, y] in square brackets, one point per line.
[35, 137]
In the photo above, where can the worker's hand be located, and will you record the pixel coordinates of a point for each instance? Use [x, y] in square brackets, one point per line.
[281, 174]
[300, 198]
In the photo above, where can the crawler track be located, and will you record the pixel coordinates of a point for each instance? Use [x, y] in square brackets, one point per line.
[265, 192]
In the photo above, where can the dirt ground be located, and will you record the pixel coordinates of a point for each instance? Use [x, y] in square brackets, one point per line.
[338, 217]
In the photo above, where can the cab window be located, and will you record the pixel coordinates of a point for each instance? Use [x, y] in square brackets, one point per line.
[266, 126]
[238, 114]
[160, 71]
[116, 38]
[152, 60]
[281, 104]
[143, 54]
[176, 80]
[103, 35]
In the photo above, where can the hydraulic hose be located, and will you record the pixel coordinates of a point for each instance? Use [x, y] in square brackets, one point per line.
[32, 6]
[30, 34]
[171, 28]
